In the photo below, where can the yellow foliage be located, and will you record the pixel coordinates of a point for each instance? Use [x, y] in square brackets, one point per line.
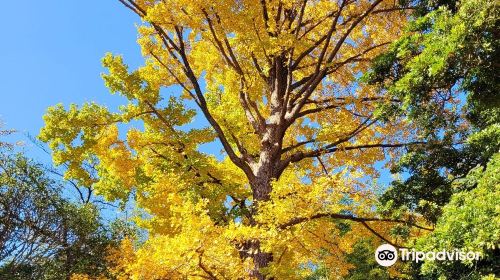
[278, 87]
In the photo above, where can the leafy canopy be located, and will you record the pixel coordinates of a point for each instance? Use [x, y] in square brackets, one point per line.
[277, 84]
[46, 235]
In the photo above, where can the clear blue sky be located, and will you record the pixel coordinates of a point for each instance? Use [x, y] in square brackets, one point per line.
[50, 53]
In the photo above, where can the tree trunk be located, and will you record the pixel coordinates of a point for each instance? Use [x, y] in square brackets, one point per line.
[265, 170]
[260, 260]
[261, 188]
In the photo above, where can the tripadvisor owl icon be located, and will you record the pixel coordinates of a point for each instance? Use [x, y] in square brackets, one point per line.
[386, 255]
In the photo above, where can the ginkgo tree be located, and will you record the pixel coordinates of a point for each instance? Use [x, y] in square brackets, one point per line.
[277, 85]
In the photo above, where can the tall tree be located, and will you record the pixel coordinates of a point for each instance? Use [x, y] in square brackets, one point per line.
[470, 222]
[44, 235]
[449, 50]
[276, 82]
[444, 54]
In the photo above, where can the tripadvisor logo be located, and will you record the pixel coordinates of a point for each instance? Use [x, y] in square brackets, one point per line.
[387, 255]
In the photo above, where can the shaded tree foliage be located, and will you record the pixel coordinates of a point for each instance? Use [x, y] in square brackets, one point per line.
[445, 55]
[469, 222]
[43, 235]
[445, 69]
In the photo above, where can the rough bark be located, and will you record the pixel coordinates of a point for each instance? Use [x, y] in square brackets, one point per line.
[266, 169]
[261, 187]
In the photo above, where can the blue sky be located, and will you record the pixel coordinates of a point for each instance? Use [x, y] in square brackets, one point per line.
[50, 53]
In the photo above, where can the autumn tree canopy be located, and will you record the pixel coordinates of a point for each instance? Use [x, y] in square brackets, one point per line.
[276, 83]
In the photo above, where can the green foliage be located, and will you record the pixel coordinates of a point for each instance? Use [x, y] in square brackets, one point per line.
[44, 235]
[442, 54]
[445, 73]
[470, 222]
[365, 266]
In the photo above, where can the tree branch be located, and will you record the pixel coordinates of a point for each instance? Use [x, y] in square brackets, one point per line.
[299, 220]
[318, 74]
[321, 151]
[379, 235]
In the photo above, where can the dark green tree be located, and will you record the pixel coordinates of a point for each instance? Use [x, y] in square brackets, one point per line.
[471, 222]
[445, 72]
[43, 234]
[365, 266]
